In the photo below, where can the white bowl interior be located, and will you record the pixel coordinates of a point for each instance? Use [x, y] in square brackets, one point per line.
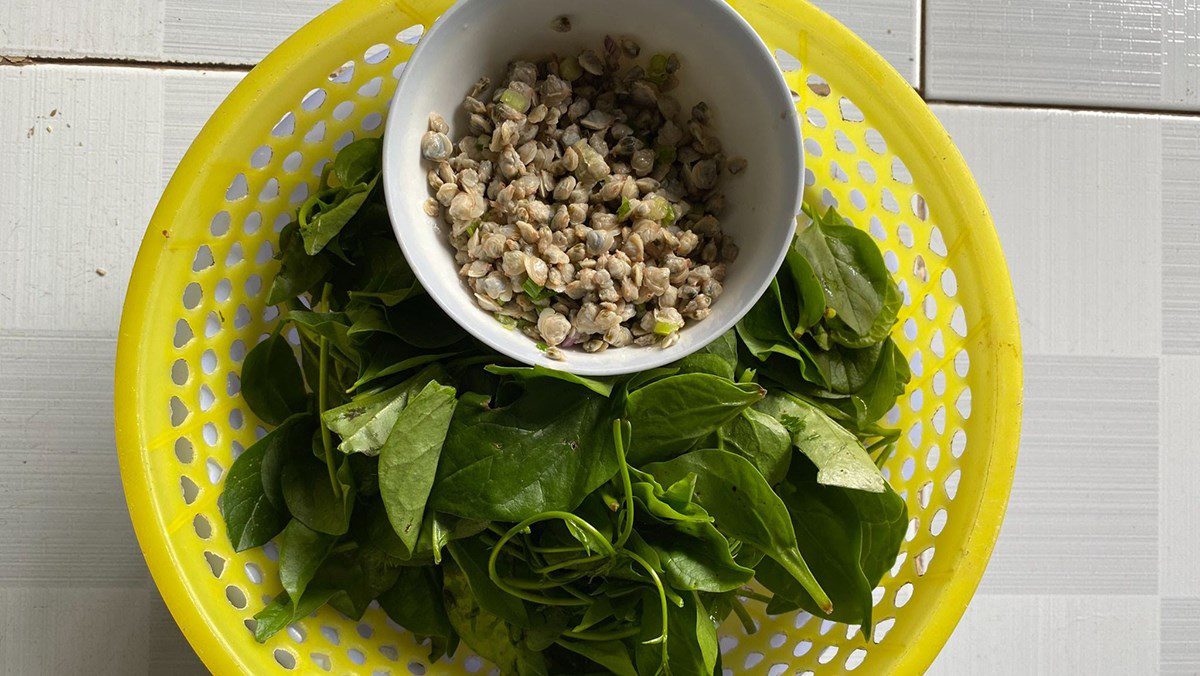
[723, 63]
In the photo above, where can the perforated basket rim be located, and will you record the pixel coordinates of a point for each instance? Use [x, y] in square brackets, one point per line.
[889, 91]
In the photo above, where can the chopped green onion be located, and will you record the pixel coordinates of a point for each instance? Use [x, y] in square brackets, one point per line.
[541, 346]
[507, 322]
[569, 69]
[663, 328]
[515, 100]
[473, 227]
[669, 219]
[536, 293]
[624, 209]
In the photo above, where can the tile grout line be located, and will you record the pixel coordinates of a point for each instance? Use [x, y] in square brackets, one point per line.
[1067, 108]
[922, 60]
[22, 62]
[97, 62]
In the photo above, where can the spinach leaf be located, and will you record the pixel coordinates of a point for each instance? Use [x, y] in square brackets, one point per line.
[612, 655]
[718, 357]
[893, 300]
[838, 455]
[654, 501]
[301, 553]
[805, 293]
[878, 394]
[421, 323]
[272, 383]
[387, 358]
[381, 273]
[743, 506]
[695, 556]
[294, 435]
[251, 518]
[764, 329]
[850, 268]
[332, 326]
[601, 387]
[850, 538]
[762, 440]
[298, 273]
[471, 559]
[281, 612]
[545, 452]
[691, 639]
[700, 362]
[366, 421]
[487, 634]
[415, 602]
[359, 162]
[357, 577]
[310, 496]
[323, 216]
[669, 415]
[409, 459]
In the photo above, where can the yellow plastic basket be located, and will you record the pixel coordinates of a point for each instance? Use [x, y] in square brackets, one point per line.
[196, 304]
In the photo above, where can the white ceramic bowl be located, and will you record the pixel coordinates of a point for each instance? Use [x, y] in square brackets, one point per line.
[723, 63]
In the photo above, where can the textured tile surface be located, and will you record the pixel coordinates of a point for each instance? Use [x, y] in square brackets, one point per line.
[1078, 200]
[1114, 53]
[1054, 634]
[1181, 237]
[1180, 651]
[1083, 515]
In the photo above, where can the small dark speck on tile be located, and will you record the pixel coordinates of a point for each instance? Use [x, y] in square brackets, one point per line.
[100, 272]
[29, 134]
[54, 112]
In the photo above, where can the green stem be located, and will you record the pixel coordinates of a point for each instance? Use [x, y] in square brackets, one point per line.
[326, 437]
[521, 528]
[753, 595]
[662, 600]
[744, 616]
[621, 429]
[615, 635]
[557, 550]
[571, 563]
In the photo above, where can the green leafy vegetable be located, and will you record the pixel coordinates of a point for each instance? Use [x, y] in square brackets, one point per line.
[840, 459]
[545, 452]
[251, 518]
[603, 388]
[551, 522]
[273, 386]
[744, 507]
[669, 415]
[409, 460]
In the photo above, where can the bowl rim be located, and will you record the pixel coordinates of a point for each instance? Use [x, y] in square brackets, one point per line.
[458, 304]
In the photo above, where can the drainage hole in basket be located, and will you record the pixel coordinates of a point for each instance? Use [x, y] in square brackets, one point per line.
[321, 660]
[202, 527]
[184, 451]
[216, 563]
[285, 659]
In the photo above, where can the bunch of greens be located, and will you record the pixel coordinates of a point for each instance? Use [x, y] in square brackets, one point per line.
[555, 523]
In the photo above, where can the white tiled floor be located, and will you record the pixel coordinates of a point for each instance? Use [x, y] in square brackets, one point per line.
[1098, 210]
